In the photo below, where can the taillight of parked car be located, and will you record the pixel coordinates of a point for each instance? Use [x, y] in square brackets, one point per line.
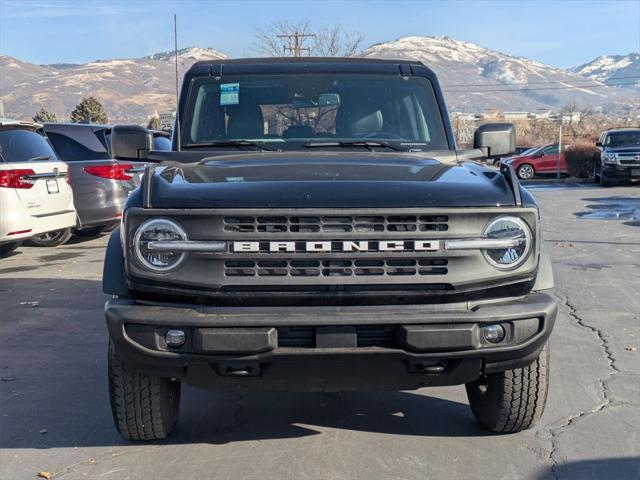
[111, 172]
[16, 178]
[67, 177]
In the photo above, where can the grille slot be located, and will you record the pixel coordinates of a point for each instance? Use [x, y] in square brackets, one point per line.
[336, 268]
[336, 224]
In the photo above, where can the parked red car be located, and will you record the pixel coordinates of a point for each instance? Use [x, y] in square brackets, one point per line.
[537, 161]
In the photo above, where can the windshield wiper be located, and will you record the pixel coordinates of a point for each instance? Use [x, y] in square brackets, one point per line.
[41, 157]
[369, 144]
[229, 143]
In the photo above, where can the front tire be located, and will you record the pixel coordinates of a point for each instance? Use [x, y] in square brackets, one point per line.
[51, 239]
[144, 407]
[525, 172]
[513, 400]
[603, 180]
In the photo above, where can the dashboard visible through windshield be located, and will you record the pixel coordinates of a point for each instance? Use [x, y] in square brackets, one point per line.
[288, 112]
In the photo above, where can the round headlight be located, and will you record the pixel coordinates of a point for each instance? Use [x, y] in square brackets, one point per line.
[508, 228]
[158, 230]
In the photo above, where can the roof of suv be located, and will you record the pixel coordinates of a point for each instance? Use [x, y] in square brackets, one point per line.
[287, 65]
[356, 60]
[8, 122]
[621, 129]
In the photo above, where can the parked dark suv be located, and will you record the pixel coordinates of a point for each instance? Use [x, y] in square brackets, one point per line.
[619, 158]
[315, 228]
[100, 183]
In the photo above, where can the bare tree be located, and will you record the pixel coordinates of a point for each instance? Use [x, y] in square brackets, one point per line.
[299, 38]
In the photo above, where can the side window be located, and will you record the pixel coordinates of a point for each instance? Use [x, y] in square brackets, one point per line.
[70, 150]
[551, 150]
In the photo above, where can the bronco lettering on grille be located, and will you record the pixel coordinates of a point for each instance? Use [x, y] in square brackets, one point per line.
[338, 246]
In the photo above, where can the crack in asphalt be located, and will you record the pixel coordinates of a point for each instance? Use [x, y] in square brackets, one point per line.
[603, 384]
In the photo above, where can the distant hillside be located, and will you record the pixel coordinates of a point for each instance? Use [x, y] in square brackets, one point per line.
[131, 90]
[474, 78]
[612, 69]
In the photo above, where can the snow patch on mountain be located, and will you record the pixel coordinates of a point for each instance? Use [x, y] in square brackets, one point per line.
[612, 69]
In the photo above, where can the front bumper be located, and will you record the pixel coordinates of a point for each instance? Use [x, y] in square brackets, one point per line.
[330, 348]
[622, 172]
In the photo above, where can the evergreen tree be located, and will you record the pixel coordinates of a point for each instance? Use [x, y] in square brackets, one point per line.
[44, 116]
[89, 110]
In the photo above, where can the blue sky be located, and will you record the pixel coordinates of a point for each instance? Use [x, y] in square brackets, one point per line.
[556, 32]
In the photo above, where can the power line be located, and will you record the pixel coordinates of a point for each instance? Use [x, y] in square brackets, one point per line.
[548, 82]
[569, 87]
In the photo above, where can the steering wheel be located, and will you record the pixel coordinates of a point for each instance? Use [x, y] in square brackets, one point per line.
[383, 134]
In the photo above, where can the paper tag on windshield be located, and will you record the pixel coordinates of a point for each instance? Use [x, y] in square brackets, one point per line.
[229, 93]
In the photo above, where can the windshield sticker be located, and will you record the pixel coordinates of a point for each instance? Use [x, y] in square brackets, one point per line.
[229, 93]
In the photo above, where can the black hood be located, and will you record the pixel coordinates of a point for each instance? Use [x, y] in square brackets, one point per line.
[327, 179]
[628, 150]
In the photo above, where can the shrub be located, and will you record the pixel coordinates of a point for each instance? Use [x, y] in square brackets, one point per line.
[580, 157]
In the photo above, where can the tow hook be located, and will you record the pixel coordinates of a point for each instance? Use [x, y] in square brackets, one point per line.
[430, 368]
[236, 369]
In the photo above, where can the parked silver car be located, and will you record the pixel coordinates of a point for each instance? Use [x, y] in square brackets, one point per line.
[100, 184]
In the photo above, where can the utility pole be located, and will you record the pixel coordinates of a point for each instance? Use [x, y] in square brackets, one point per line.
[297, 38]
[176, 131]
[559, 149]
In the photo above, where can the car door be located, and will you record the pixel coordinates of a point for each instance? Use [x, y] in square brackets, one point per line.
[31, 167]
[548, 162]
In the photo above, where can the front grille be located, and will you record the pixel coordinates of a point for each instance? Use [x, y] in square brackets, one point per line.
[336, 268]
[628, 160]
[336, 223]
[367, 336]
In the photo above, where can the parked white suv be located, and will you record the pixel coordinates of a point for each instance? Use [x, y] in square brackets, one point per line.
[35, 196]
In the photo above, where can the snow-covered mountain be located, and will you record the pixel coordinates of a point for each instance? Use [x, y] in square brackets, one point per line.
[130, 89]
[193, 54]
[620, 70]
[476, 78]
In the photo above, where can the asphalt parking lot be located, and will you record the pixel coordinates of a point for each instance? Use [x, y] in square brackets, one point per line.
[56, 416]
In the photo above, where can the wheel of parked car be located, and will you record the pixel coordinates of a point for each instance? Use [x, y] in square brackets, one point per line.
[89, 232]
[525, 171]
[51, 239]
[144, 407]
[513, 400]
[7, 248]
[603, 179]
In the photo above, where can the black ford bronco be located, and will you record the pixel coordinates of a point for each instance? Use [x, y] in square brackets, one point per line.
[315, 228]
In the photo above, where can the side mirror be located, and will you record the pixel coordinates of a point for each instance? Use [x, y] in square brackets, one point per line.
[599, 144]
[130, 142]
[495, 139]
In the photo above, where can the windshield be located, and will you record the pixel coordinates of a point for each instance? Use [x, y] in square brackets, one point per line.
[22, 145]
[623, 139]
[529, 151]
[290, 111]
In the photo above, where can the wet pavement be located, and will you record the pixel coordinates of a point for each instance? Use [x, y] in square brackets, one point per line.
[55, 414]
[626, 209]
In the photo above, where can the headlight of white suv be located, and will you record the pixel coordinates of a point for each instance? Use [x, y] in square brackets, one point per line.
[610, 157]
[508, 228]
[156, 231]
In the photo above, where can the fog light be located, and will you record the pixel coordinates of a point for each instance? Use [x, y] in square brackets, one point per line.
[175, 338]
[493, 333]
